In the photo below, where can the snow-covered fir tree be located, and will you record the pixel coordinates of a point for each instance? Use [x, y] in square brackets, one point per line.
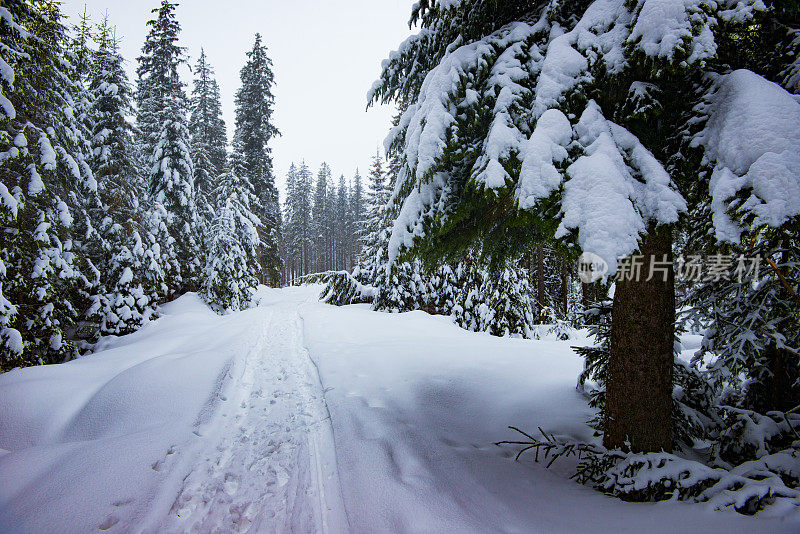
[373, 224]
[254, 131]
[80, 58]
[208, 135]
[45, 180]
[298, 227]
[162, 122]
[231, 270]
[577, 144]
[206, 124]
[15, 41]
[122, 250]
[341, 235]
[321, 221]
[752, 338]
[357, 213]
[292, 228]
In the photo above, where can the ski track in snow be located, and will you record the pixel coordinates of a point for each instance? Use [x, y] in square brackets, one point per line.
[262, 463]
[197, 423]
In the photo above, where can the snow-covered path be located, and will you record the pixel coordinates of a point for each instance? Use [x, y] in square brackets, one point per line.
[197, 423]
[301, 417]
[266, 462]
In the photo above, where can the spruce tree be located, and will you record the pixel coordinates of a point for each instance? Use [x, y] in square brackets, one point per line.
[162, 123]
[290, 240]
[231, 269]
[321, 234]
[206, 125]
[122, 248]
[45, 181]
[375, 226]
[254, 131]
[342, 238]
[15, 41]
[357, 214]
[302, 216]
[206, 128]
[209, 139]
[81, 59]
[299, 228]
[576, 122]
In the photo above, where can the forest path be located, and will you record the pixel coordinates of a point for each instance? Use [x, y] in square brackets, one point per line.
[265, 461]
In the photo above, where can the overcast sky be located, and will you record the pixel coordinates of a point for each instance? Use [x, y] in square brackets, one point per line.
[326, 55]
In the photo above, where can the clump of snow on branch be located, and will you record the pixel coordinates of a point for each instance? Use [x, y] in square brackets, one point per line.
[752, 140]
[603, 200]
[546, 146]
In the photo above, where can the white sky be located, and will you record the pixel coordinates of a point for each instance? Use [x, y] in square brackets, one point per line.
[326, 55]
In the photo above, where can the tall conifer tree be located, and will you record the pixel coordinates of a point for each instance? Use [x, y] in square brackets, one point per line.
[162, 122]
[321, 233]
[206, 127]
[486, 156]
[254, 131]
[44, 183]
[124, 250]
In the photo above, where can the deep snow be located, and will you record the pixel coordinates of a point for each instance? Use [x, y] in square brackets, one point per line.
[299, 416]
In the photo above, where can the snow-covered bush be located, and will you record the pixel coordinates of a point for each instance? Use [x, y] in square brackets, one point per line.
[342, 288]
[772, 481]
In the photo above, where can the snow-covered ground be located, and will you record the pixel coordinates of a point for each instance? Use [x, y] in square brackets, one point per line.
[298, 416]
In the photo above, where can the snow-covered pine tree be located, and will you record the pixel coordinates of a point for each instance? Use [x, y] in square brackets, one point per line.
[208, 136]
[576, 143]
[129, 278]
[357, 214]
[80, 57]
[753, 336]
[508, 307]
[254, 131]
[44, 179]
[302, 216]
[342, 239]
[15, 43]
[162, 122]
[375, 224]
[322, 236]
[231, 270]
[331, 222]
[206, 124]
[288, 236]
[298, 219]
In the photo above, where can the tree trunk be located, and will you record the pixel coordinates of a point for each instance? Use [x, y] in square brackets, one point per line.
[540, 281]
[565, 287]
[639, 385]
[781, 390]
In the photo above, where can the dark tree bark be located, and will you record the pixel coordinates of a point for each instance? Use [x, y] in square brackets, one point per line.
[564, 286]
[639, 385]
[780, 389]
[540, 280]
